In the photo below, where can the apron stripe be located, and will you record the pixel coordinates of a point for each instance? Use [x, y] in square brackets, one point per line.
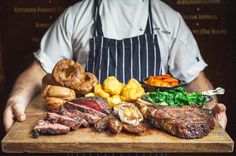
[123, 61]
[143, 57]
[131, 58]
[155, 57]
[100, 62]
[147, 52]
[116, 53]
[94, 54]
[108, 59]
[139, 59]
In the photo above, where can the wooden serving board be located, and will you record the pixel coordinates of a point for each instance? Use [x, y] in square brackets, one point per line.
[19, 139]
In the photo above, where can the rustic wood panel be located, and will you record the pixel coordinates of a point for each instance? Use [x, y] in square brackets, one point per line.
[19, 139]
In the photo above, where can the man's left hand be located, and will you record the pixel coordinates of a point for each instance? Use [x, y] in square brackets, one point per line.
[220, 114]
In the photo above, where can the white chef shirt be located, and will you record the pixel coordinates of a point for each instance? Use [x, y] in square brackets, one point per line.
[69, 36]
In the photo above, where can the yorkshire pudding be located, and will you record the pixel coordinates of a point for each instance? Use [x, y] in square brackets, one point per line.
[68, 73]
[87, 85]
[56, 96]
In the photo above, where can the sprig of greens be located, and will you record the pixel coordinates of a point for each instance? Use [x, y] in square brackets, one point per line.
[176, 97]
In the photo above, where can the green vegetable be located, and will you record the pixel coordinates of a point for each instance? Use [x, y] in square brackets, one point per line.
[176, 97]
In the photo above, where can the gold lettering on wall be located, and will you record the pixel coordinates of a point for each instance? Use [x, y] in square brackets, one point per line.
[38, 10]
[203, 16]
[189, 2]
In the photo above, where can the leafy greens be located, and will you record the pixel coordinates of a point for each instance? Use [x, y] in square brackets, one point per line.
[176, 97]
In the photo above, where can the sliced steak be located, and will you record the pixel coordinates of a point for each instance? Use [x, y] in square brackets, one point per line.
[94, 102]
[47, 128]
[64, 120]
[185, 122]
[84, 109]
[78, 115]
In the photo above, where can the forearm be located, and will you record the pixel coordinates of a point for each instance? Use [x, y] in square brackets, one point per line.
[200, 84]
[28, 83]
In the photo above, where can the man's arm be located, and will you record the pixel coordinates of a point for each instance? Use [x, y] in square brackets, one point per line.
[201, 83]
[25, 88]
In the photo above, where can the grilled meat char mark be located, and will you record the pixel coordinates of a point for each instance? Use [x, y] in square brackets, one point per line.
[63, 120]
[98, 103]
[184, 122]
[78, 115]
[47, 128]
[84, 109]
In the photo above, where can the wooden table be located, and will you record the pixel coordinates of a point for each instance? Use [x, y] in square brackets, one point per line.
[19, 139]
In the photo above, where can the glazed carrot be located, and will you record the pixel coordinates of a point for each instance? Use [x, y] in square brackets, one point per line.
[162, 80]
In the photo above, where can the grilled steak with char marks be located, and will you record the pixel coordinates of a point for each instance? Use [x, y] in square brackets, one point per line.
[64, 120]
[47, 128]
[84, 109]
[98, 103]
[76, 114]
[184, 122]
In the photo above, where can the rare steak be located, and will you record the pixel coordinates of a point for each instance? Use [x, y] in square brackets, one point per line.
[63, 120]
[76, 114]
[184, 122]
[47, 128]
[84, 109]
[98, 103]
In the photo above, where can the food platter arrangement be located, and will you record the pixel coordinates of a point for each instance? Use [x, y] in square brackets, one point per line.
[75, 99]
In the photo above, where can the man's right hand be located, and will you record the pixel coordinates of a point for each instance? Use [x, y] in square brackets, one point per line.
[14, 111]
[26, 86]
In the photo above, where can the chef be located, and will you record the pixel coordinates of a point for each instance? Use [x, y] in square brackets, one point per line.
[124, 38]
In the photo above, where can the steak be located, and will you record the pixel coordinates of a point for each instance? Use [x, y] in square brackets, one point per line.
[47, 128]
[78, 115]
[94, 102]
[84, 109]
[184, 122]
[63, 120]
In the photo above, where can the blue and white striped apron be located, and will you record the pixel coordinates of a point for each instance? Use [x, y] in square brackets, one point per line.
[137, 57]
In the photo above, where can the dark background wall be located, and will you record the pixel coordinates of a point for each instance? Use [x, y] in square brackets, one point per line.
[213, 23]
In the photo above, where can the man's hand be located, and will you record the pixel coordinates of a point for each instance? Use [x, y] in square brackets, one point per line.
[25, 88]
[14, 110]
[220, 114]
[200, 84]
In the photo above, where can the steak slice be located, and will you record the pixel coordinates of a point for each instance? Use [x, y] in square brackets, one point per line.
[78, 115]
[84, 109]
[64, 120]
[47, 128]
[94, 102]
[184, 122]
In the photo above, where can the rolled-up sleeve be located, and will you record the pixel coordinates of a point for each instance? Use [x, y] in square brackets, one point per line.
[185, 61]
[56, 44]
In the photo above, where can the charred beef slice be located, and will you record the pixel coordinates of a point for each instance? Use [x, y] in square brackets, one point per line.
[184, 122]
[94, 102]
[47, 128]
[84, 109]
[64, 120]
[78, 115]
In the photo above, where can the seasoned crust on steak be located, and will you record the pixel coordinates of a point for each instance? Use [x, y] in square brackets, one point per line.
[184, 122]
